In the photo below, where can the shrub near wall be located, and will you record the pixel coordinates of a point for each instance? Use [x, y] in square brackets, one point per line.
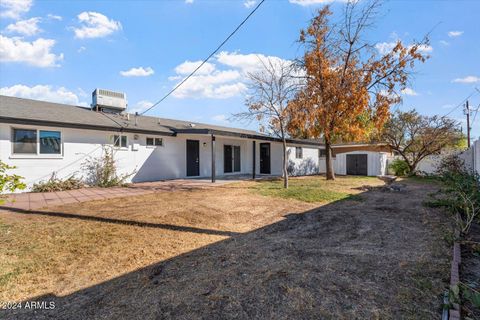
[399, 167]
[9, 182]
[55, 184]
[460, 194]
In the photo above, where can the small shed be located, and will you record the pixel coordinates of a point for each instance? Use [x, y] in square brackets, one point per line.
[361, 159]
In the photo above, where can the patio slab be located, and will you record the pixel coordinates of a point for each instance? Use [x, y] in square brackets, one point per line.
[38, 200]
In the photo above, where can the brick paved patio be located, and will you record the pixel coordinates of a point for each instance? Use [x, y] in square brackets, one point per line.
[33, 201]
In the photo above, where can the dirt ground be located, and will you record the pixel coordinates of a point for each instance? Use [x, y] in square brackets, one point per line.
[228, 253]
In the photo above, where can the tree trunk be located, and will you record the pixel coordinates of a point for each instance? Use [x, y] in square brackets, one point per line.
[329, 162]
[285, 164]
[412, 167]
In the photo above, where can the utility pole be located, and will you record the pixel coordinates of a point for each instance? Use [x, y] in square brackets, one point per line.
[467, 111]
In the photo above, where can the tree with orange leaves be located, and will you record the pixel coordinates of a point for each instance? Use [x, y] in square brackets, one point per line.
[348, 87]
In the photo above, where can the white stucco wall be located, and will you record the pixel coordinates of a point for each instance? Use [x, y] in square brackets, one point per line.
[148, 163]
[471, 156]
[376, 163]
[311, 163]
[307, 165]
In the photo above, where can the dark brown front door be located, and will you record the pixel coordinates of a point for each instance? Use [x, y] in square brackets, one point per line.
[193, 158]
[265, 158]
[357, 164]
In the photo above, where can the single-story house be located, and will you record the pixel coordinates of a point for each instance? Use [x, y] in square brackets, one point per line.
[41, 138]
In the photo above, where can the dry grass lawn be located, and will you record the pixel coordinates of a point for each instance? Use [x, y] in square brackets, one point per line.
[233, 251]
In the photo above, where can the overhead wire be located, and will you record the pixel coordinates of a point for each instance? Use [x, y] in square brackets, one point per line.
[205, 60]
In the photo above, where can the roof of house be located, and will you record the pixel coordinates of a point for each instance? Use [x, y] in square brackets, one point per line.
[35, 112]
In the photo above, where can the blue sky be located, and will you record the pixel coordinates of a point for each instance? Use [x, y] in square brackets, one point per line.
[62, 50]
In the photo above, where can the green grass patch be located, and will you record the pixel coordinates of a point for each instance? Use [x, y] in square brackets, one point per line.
[313, 189]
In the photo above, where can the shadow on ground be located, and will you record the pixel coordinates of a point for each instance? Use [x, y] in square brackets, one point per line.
[122, 221]
[382, 257]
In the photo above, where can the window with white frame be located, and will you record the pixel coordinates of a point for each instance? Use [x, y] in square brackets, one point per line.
[119, 141]
[298, 152]
[34, 141]
[154, 142]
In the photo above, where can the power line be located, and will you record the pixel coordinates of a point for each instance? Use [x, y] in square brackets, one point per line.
[475, 116]
[461, 103]
[205, 60]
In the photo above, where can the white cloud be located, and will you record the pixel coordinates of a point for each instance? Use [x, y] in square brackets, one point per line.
[444, 43]
[95, 25]
[37, 53]
[453, 34]
[305, 3]
[245, 62]
[220, 118]
[27, 27]
[81, 49]
[188, 66]
[54, 17]
[138, 72]
[14, 8]
[249, 3]
[224, 77]
[141, 106]
[386, 47]
[188, 1]
[409, 92]
[467, 79]
[44, 93]
[424, 48]
[217, 85]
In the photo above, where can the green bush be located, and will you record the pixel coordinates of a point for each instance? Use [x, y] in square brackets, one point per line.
[56, 184]
[399, 167]
[102, 171]
[9, 182]
[460, 192]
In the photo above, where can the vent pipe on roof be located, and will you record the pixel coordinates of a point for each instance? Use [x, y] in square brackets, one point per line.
[136, 116]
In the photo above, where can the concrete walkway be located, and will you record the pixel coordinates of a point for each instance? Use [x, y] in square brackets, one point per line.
[37, 200]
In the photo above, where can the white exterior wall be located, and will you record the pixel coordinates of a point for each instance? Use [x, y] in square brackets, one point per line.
[471, 157]
[246, 155]
[376, 163]
[148, 163]
[307, 165]
[312, 164]
[429, 164]
[476, 157]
